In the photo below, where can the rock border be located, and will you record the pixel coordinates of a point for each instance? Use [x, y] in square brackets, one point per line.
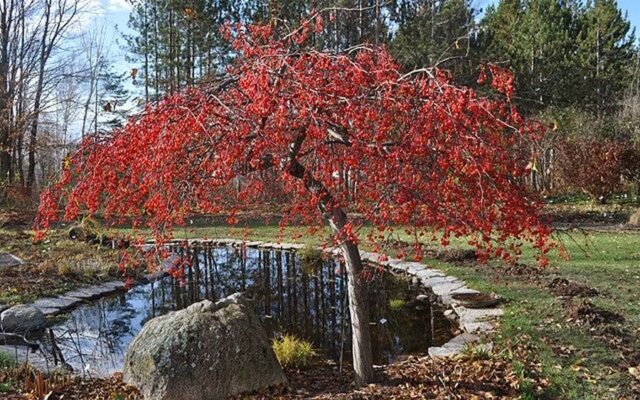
[474, 323]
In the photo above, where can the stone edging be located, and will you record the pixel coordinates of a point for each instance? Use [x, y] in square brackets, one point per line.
[473, 322]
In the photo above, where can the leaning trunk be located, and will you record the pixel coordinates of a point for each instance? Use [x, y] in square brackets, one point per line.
[358, 310]
[358, 296]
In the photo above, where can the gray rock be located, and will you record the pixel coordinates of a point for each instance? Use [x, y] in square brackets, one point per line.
[62, 303]
[414, 267]
[9, 260]
[21, 319]
[431, 282]
[3, 307]
[461, 341]
[423, 298]
[442, 352]
[454, 346]
[205, 352]
[447, 287]
[429, 273]
[115, 285]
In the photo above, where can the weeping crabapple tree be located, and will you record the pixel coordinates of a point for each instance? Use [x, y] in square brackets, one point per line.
[425, 153]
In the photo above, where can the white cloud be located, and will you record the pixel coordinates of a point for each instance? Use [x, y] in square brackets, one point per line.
[118, 5]
[89, 12]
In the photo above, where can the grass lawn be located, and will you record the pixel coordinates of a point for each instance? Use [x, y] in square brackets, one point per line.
[579, 359]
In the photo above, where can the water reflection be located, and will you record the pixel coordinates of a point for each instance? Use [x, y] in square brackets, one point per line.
[313, 305]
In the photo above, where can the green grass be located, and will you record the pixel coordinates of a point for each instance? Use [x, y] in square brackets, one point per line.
[293, 352]
[7, 361]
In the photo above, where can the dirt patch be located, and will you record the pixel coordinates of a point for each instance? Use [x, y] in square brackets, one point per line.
[565, 288]
[587, 313]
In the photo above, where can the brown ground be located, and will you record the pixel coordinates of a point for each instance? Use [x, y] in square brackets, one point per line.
[471, 376]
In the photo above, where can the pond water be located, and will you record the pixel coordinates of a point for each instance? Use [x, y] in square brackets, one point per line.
[290, 298]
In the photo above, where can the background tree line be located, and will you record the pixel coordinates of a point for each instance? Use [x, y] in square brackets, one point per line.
[576, 63]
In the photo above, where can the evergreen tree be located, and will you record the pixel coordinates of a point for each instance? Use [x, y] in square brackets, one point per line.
[114, 100]
[536, 39]
[434, 33]
[606, 51]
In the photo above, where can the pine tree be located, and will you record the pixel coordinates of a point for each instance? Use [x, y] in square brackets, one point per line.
[435, 33]
[114, 100]
[536, 39]
[606, 51]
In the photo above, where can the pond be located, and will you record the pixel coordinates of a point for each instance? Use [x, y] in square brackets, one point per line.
[290, 296]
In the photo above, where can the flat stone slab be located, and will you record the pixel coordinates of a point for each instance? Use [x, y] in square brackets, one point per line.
[447, 287]
[429, 273]
[60, 303]
[477, 314]
[442, 352]
[9, 260]
[50, 311]
[114, 285]
[81, 294]
[439, 280]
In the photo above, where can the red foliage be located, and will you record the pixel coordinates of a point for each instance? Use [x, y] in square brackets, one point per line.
[425, 153]
[595, 166]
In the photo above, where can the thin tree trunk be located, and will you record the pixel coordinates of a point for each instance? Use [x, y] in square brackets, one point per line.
[357, 289]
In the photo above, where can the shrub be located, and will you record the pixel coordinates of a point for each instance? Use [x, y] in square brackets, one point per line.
[311, 259]
[293, 352]
[592, 165]
[396, 304]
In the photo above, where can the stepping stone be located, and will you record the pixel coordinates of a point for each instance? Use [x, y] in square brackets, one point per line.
[114, 285]
[454, 346]
[61, 303]
[442, 352]
[447, 287]
[482, 327]
[429, 273]
[50, 311]
[477, 314]
[439, 280]
[461, 341]
[80, 293]
[9, 260]
[413, 267]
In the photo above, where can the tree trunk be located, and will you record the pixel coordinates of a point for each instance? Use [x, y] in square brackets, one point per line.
[358, 304]
[358, 296]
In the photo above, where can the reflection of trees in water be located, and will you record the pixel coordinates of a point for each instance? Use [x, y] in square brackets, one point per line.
[313, 306]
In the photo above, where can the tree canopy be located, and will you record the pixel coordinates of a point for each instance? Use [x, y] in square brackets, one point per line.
[425, 152]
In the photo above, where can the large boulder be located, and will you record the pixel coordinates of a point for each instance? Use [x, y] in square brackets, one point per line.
[207, 351]
[635, 218]
[22, 319]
